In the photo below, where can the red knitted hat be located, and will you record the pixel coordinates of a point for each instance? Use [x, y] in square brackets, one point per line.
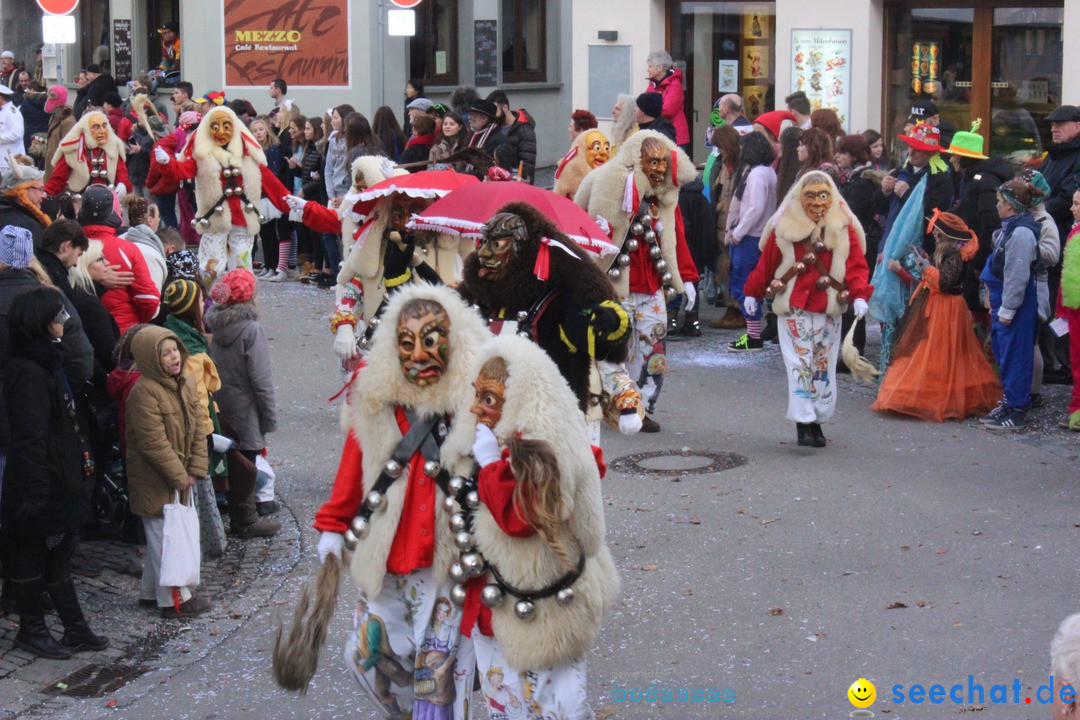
[772, 120]
[235, 286]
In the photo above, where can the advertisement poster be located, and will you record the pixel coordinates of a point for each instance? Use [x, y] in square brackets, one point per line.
[728, 74]
[756, 59]
[756, 22]
[754, 97]
[821, 68]
[925, 67]
[306, 43]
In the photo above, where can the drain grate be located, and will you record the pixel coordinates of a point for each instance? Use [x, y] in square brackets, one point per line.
[95, 680]
[677, 462]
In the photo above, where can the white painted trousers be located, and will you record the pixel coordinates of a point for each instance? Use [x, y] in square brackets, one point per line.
[810, 343]
[221, 252]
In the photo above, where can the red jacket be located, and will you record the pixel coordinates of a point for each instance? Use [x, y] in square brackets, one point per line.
[139, 301]
[805, 294]
[58, 180]
[671, 87]
[643, 276]
[158, 182]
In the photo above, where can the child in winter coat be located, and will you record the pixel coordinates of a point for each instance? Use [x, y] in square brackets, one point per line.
[166, 453]
[246, 400]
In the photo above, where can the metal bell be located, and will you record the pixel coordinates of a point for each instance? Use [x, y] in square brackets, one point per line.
[809, 258]
[262, 219]
[661, 266]
[463, 541]
[843, 296]
[376, 500]
[194, 223]
[644, 218]
[449, 504]
[431, 468]
[522, 316]
[799, 267]
[204, 222]
[250, 207]
[456, 483]
[819, 247]
[654, 252]
[523, 333]
[632, 245]
[359, 527]
[650, 236]
[472, 563]
[458, 522]
[623, 260]
[636, 228]
[219, 209]
[669, 293]
[392, 468]
[492, 596]
[350, 540]
[822, 282]
[666, 278]
[614, 273]
[229, 192]
[472, 499]
[457, 573]
[776, 285]
[525, 610]
[77, 197]
[457, 595]
[565, 596]
[374, 322]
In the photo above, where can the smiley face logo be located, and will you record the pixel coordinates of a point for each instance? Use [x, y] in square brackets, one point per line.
[862, 693]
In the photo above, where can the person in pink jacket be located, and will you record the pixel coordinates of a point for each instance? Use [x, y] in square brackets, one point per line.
[666, 80]
[134, 303]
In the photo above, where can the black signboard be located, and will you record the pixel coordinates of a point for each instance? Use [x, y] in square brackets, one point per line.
[122, 50]
[486, 58]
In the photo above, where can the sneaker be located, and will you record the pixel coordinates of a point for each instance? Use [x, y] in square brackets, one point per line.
[1011, 420]
[994, 414]
[192, 608]
[746, 344]
[275, 276]
[326, 281]
[1064, 425]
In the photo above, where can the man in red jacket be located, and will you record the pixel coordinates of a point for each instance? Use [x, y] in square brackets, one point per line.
[135, 303]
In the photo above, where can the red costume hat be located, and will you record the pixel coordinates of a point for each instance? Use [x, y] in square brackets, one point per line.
[923, 137]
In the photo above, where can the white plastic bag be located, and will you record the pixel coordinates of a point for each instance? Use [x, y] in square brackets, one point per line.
[180, 553]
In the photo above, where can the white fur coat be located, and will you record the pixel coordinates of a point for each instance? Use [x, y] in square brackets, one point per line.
[539, 405]
[242, 152]
[79, 170]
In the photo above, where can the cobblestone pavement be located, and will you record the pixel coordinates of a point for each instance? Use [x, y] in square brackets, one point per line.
[144, 646]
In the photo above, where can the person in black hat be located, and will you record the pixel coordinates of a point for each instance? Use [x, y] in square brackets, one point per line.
[485, 128]
[98, 84]
[170, 52]
[650, 108]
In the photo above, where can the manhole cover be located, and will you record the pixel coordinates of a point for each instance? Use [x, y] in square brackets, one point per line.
[95, 680]
[677, 462]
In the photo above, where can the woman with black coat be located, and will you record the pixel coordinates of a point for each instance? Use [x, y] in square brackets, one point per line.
[43, 501]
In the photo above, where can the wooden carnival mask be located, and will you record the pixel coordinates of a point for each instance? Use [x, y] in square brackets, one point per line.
[221, 128]
[654, 161]
[423, 335]
[816, 199]
[490, 386]
[98, 125]
[503, 237]
[597, 148]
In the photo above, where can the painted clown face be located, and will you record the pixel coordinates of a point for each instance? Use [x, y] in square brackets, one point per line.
[221, 128]
[99, 128]
[597, 148]
[500, 245]
[490, 398]
[654, 162]
[816, 200]
[423, 335]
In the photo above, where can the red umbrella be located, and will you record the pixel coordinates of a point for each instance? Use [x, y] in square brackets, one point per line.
[423, 184]
[466, 210]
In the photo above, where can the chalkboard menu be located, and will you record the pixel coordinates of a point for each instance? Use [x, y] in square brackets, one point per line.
[122, 50]
[486, 57]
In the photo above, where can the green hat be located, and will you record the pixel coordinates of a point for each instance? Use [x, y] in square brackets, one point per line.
[968, 144]
[179, 296]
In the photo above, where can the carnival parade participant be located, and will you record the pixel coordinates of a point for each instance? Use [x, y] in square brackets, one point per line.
[397, 411]
[637, 194]
[938, 371]
[590, 150]
[534, 575]
[812, 267]
[529, 277]
[90, 154]
[229, 169]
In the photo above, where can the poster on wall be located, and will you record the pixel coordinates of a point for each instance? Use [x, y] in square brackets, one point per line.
[728, 76]
[821, 68]
[925, 65]
[756, 22]
[754, 97]
[307, 43]
[756, 59]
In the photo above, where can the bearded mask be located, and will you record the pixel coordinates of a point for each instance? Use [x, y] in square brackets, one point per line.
[816, 199]
[423, 335]
[597, 148]
[221, 128]
[654, 161]
[503, 236]
[98, 125]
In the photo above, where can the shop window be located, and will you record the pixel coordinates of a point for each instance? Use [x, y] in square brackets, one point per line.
[433, 50]
[159, 12]
[95, 31]
[524, 35]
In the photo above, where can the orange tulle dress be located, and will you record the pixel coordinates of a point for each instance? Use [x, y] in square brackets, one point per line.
[938, 371]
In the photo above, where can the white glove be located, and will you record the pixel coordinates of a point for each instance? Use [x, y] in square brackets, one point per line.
[161, 156]
[860, 307]
[121, 191]
[331, 543]
[345, 342]
[750, 305]
[295, 202]
[691, 296]
[485, 447]
[630, 423]
[221, 443]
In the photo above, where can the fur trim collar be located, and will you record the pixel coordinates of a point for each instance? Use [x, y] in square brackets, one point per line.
[76, 146]
[243, 152]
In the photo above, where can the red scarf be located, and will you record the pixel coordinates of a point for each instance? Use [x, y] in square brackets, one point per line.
[428, 139]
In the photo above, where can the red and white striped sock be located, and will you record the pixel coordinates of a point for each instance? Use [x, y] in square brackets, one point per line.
[753, 328]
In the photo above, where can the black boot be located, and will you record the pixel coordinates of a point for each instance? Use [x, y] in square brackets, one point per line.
[770, 332]
[690, 326]
[806, 439]
[77, 633]
[33, 636]
[817, 436]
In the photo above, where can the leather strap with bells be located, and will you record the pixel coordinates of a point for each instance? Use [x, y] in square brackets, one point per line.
[811, 257]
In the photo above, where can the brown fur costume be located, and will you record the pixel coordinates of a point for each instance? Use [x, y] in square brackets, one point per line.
[601, 193]
[581, 286]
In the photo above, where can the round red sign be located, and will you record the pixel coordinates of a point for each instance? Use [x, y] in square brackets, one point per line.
[58, 7]
[406, 3]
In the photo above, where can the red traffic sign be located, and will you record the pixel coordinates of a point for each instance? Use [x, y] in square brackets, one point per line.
[58, 7]
[406, 3]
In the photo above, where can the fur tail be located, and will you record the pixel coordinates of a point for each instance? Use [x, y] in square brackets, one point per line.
[861, 368]
[297, 658]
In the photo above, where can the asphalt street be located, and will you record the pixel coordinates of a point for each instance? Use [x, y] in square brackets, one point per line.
[904, 553]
